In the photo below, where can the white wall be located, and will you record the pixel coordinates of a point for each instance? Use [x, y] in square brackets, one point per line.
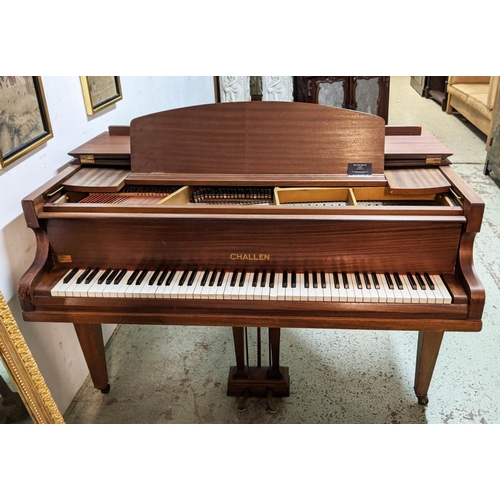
[54, 346]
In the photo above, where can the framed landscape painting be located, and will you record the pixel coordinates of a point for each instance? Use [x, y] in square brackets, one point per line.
[100, 92]
[24, 118]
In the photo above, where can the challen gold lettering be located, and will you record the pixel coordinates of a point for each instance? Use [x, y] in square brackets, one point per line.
[250, 256]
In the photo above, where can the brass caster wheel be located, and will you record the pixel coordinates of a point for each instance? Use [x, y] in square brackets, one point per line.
[271, 406]
[423, 400]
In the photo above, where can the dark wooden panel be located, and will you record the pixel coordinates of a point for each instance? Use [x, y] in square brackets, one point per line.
[105, 144]
[255, 138]
[415, 146]
[97, 180]
[417, 180]
[327, 243]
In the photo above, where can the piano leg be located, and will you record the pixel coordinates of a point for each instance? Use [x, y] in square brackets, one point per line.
[92, 344]
[427, 353]
[258, 380]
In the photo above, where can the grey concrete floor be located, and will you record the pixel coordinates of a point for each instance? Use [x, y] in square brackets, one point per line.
[179, 374]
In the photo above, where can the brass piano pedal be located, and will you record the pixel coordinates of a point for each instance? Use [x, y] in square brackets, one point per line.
[271, 406]
[243, 404]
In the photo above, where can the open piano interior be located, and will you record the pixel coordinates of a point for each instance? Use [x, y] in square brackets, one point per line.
[257, 215]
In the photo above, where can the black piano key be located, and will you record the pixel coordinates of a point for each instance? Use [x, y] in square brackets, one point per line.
[242, 278]
[420, 281]
[112, 276]
[358, 280]
[315, 280]
[170, 277]
[162, 277]
[212, 278]
[345, 280]
[264, 279]
[285, 279]
[306, 279]
[233, 279]
[429, 281]
[221, 278]
[271, 280]
[367, 281]
[411, 281]
[92, 275]
[336, 280]
[323, 280]
[104, 275]
[205, 278]
[398, 281]
[388, 278]
[120, 276]
[71, 275]
[183, 277]
[255, 278]
[141, 277]
[376, 284]
[192, 277]
[294, 279]
[153, 277]
[83, 275]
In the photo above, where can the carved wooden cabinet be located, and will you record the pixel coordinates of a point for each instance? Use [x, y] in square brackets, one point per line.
[369, 94]
[431, 87]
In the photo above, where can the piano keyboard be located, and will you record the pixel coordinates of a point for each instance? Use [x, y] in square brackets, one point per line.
[409, 288]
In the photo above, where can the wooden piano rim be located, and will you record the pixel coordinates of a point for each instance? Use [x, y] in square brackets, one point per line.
[78, 208]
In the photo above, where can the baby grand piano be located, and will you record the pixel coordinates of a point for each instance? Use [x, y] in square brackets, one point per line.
[257, 214]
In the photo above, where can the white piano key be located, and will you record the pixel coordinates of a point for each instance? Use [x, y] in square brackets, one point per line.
[273, 292]
[249, 293]
[438, 281]
[297, 289]
[372, 289]
[73, 287]
[197, 292]
[328, 291]
[220, 289]
[84, 291]
[229, 291]
[168, 291]
[358, 292]
[141, 291]
[280, 292]
[406, 290]
[182, 289]
[265, 290]
[343, 297]
[311, 292]
[122, 286]
[192, 290]
[171, 290]
[59, 285]
[409, 291]
[385, 292]
[351, 293]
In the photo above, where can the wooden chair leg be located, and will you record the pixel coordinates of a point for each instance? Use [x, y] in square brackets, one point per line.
[427, 354]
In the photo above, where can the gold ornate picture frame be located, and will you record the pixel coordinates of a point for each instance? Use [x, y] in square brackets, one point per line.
[99, 92]
[24, 372]
[24, 117]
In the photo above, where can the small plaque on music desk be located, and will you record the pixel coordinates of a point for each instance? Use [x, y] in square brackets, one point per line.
[355, 169]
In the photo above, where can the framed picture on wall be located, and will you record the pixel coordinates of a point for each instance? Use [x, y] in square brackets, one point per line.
[100, 92]
[24, 118]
